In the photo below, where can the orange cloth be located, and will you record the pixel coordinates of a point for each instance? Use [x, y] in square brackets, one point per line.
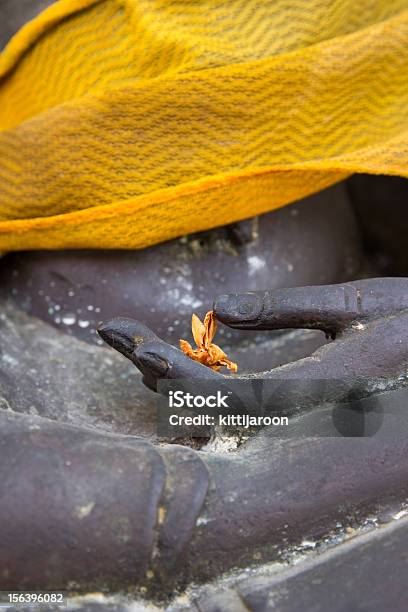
[128, 122]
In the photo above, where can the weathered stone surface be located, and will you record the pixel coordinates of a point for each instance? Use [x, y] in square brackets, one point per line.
[157, 518]
[385, 240]
[368, 573]
[258, 501]
[45, 372]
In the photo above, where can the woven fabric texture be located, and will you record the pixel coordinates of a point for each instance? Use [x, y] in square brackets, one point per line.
[124, 123]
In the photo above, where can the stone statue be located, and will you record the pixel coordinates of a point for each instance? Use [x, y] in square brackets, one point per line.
[91, 498]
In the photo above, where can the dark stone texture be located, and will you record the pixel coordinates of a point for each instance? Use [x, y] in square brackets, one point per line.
[380, 203]
[155, 517]
[280, 492]
[365, 574]
[46, 372]
[86, 509]
[86, 506]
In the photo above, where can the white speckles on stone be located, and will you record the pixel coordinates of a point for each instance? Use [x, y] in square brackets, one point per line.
[255, 263]
[9, 360]
[174, 294]
[4, 405]
[183, 279]
[400, 514]
[308, 544]
[69, 319]
[202, 520]
[82, 511]
[221, 444]
[188, 300]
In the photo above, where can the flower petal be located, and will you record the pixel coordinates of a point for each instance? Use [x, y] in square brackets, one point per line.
[206, 353]
[186, 348]
[198, 330]
[210, 324]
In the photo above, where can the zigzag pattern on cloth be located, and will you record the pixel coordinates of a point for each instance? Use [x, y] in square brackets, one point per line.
[124, 123]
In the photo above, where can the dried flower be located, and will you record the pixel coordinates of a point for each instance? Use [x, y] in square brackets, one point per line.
[207, 353]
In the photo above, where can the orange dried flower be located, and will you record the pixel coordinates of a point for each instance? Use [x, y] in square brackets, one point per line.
[207, 353]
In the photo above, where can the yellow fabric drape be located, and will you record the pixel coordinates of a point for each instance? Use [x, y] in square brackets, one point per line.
[124, 123]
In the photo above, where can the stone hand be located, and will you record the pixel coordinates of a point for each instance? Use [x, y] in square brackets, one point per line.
[367, 321]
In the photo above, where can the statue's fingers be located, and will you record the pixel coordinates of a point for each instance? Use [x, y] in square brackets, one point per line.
[330, 308]
[159, 360]
[152, 356]
[125, 334]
